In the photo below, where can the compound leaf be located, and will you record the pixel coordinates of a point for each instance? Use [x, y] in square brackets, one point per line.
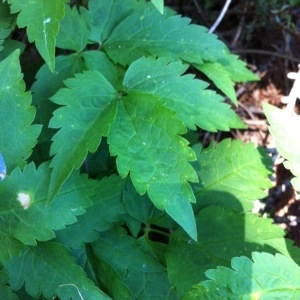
[232, 174]
[25, 213]
[150, 33]
[193, 103]
[43, 28]
[17, 141]
[89, 109]
[145, 139]
[284, 128]
[224, 234]
[64, 278]
[264, 277]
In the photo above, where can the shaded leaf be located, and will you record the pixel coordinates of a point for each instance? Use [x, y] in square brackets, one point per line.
[47, 84]
[73, 31]
[43, 28]
[145, 277]
[102, 17]
[89, 109]
[263, 277]
[48, 268]
[105, 211]
[188, 97]
[145, 139]
[5, 23]
[17, 141]
[6, 291]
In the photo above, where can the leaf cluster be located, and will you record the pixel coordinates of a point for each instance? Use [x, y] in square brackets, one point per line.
[105, 197]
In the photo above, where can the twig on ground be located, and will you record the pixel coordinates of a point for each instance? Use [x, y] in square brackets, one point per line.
[221, 16]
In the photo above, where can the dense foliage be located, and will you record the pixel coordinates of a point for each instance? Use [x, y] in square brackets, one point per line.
[106, 194]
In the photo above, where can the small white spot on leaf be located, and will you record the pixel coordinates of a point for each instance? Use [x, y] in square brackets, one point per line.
[24, 199]
[48, 20]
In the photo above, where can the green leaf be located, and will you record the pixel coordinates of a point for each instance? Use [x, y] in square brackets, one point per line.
[94, 97]
[43, 27]
[6, 291]
[159, 4]
[9, 46]
[47, 84]
[220, 77]
[50, 269]
[224, 234]
[17, 140]
[232, 174]
[225, 71]
[284, 128]
[107, 209]
[150, 33]
[145, 277]
[99, 61]
[102, 17]
[5, 23]
[73, 31]
[193, 104]
[265, 277]
[145, 139]
[112, 280]
[25, 213]
[236, 68]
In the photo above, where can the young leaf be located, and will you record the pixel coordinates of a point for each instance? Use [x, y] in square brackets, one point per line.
[145, 139]
[284, 128]
[43, 28]
[150, 33]
[25, 213]
[263, 277]
[187, 96]
[17, 141]
[232, 174]
[89, 109]
[224, 234]
[73, 31]
[48, 268]
[106, 210]
[145, 277]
